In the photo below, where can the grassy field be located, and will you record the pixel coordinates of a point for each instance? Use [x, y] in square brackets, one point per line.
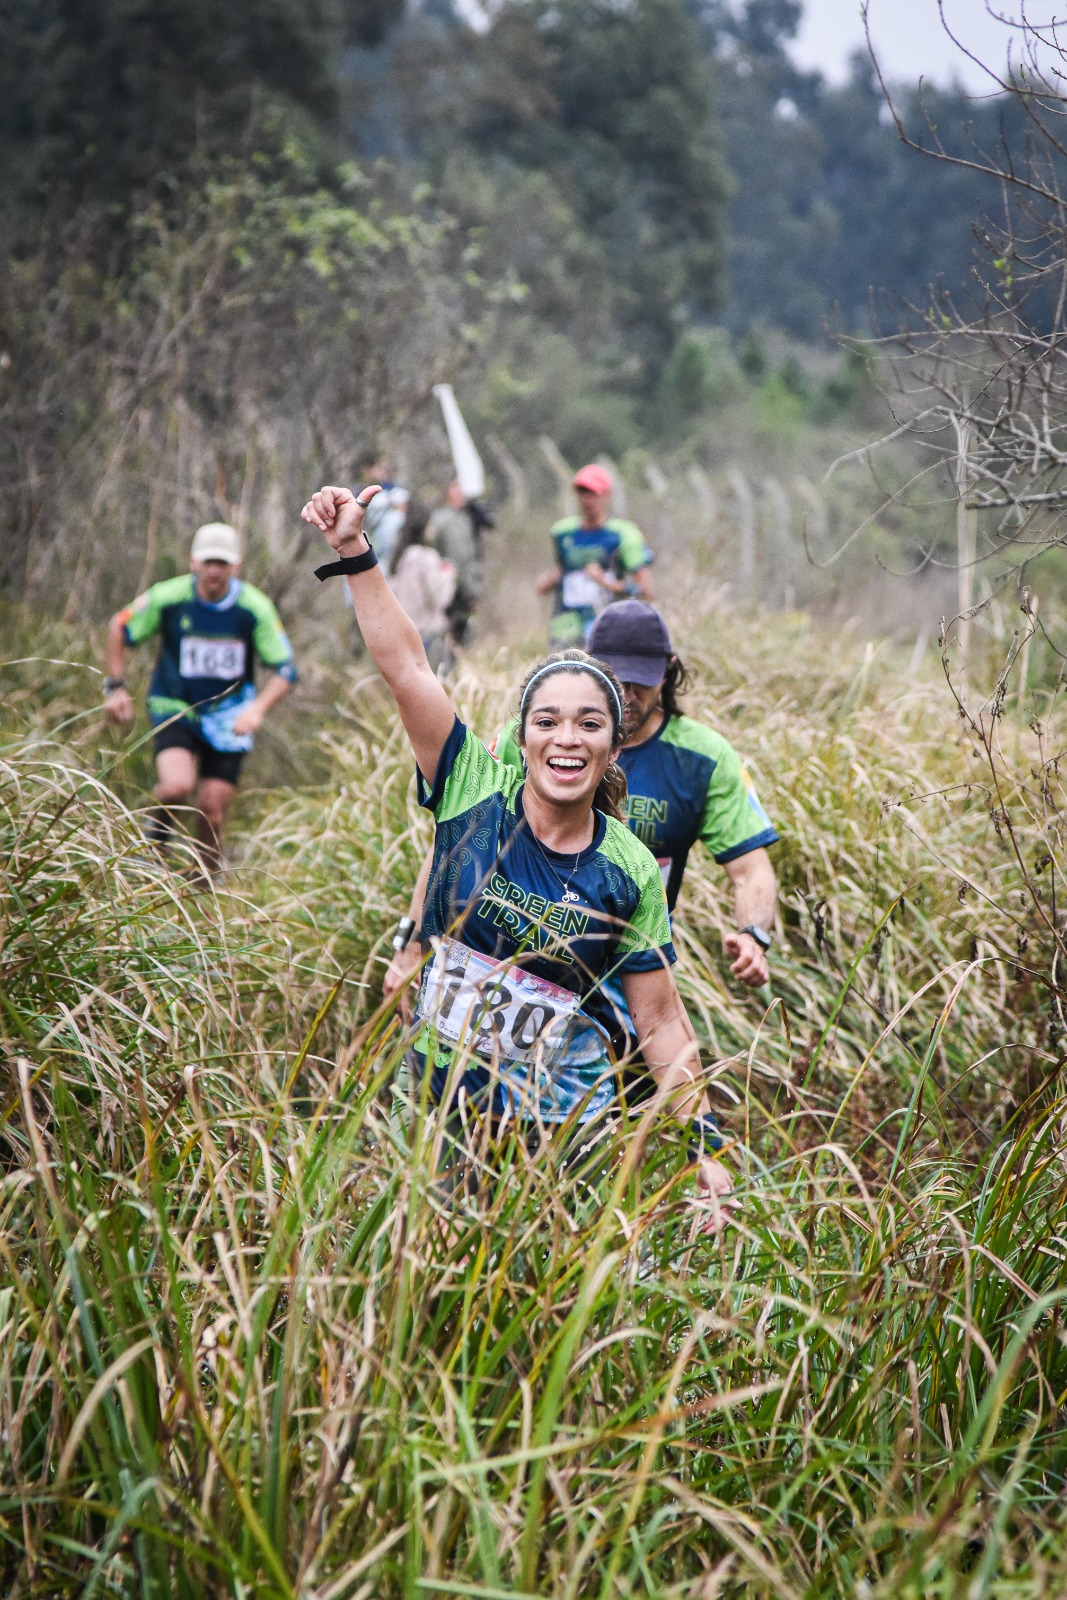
[243, 1350]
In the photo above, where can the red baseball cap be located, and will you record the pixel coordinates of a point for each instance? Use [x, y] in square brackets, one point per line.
[595, 478]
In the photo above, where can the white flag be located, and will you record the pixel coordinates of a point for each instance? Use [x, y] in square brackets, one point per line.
[470, 474]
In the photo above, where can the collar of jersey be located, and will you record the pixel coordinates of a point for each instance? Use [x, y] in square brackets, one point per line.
[229, 598]
[635, 749]
[600, 827]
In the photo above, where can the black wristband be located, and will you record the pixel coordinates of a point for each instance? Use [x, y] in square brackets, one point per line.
[704, 1137]
[111, 684]
[348, 565]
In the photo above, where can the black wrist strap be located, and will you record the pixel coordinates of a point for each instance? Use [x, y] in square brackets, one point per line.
[347, 566]
[704, 1137]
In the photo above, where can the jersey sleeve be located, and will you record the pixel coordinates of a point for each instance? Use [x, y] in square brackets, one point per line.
[269, 638]
[733, 822]
[142, 619]
[506, 746]
[633, 551]
[645, 943]
[466, 773]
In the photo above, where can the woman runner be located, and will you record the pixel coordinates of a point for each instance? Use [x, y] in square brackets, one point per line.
[537, 891]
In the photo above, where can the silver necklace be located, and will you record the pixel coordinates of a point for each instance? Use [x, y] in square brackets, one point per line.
[568, 896]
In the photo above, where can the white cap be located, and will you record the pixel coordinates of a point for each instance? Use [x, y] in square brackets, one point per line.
[216, 541]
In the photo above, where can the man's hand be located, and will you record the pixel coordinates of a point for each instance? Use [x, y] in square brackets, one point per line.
[549, 581]
[594, 570]
[747, 960]
[338, 514]
[250, 720]
[714, 1185]
[401, 969]
[118, 707]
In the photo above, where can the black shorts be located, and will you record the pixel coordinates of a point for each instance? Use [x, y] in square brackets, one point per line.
[178, 735]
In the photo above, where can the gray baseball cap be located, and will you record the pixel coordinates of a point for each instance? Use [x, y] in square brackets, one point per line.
[631, 638]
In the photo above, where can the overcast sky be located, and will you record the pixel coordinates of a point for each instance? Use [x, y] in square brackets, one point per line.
[909, 37]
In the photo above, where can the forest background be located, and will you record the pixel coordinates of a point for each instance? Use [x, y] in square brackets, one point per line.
[243, 246]
[244, 1348]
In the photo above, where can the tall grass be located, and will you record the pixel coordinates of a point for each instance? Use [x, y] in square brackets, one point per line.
[247, 1349]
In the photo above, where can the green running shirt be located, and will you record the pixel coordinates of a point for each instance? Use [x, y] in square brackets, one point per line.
[205, 670]
[571, 921]
[685, 783]
[616, 543]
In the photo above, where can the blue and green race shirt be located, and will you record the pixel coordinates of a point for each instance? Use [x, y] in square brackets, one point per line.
[616, 545]
[685, 783]
[571, 921]
[205, 670]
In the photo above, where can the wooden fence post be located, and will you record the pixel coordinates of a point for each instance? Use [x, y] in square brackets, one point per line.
[966, 539]
[564, 474]
[512, 472]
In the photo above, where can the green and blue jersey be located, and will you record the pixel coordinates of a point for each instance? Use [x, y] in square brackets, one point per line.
[572, 921]
[205, 670]
[685, 783]
[616, 545]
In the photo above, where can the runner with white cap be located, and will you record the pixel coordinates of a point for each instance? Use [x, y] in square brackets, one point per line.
[202, 701]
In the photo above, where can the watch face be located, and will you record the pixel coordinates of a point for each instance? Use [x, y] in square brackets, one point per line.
[761, 936]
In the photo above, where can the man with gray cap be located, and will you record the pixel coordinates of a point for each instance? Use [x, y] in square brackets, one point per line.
[202, 700]
[685, 781]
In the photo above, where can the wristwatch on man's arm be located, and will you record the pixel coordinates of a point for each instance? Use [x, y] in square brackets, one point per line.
[761, 936]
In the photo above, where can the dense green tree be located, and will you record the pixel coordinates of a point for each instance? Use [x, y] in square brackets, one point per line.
[108, 96]
[614, 107]
[834, 219]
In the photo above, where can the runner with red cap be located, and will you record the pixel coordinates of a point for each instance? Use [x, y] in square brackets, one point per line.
[598, 558]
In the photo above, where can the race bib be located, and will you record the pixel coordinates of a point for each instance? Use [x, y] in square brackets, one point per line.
[217, 720]
[499, 1008]
[212, 658]
[552, 1058]
[580, 590]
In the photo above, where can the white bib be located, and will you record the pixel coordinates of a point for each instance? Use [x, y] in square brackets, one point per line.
[212, 658]
[580, 590]
[553, 1060]
[499, 1008]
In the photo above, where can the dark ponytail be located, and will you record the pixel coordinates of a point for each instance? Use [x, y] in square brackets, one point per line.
[675, 683]
[611, 791]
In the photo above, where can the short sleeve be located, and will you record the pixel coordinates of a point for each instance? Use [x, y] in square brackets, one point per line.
[269, 638]
[733, 821]
[633, 551]
[506, 746]
[466, 773]
[645, 945]
[142, 619]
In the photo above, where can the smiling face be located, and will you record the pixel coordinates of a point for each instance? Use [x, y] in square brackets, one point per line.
[568, 738]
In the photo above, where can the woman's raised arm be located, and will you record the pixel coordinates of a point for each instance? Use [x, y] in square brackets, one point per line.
[388, 632]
